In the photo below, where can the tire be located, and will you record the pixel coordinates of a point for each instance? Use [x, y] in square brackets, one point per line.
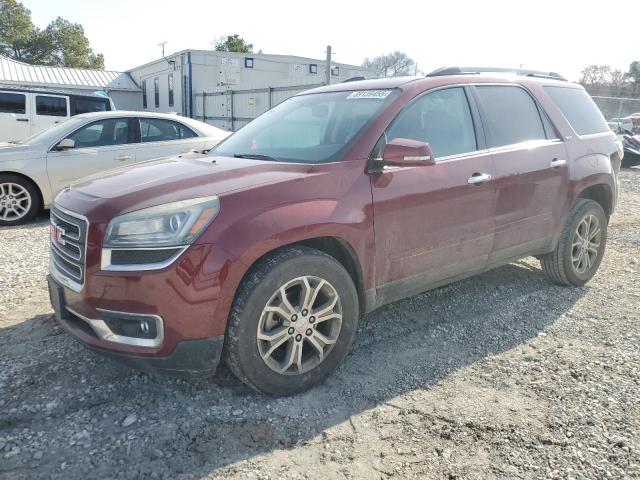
[254, 309]
[19, 200]
[563, 266]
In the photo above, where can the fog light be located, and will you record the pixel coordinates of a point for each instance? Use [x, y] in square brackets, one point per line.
[130, 325]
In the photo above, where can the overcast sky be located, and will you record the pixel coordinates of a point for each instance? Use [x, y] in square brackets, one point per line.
[562, 36]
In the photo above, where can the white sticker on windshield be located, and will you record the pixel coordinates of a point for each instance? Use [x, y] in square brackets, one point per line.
[369, 94]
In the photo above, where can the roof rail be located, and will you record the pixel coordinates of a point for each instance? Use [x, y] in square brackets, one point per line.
[476, 70]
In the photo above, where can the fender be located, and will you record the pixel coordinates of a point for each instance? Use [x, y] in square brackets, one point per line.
[288, 224]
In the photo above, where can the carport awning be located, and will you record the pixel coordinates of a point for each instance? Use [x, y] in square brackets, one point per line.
[14, 72]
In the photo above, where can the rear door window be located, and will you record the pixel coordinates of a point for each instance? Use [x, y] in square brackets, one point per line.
[510, 114]
[12, 103]
[158, 130]
[442, 119]
[51, 106]
[579, 109]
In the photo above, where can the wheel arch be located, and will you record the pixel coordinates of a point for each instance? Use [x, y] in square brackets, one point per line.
[600, 193]
[338, 248]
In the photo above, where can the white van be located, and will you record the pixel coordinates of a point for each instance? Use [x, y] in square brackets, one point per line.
[25, 112]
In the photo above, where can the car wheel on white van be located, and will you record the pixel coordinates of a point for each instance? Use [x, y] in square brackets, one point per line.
[19, 200]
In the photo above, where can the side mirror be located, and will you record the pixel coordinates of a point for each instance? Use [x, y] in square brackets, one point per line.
[66, 144]
[404, 152]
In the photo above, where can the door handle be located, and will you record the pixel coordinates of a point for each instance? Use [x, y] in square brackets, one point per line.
[122, 158]
[479, 178]
[22, 119]
[557, 163]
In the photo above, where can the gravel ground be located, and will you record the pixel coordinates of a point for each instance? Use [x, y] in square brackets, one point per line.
[498, 376]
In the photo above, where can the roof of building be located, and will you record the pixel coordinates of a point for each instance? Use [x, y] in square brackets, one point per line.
[15, 72]
[257, 55]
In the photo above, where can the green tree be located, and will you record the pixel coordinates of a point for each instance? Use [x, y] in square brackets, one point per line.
[17, 32]
[62, 43]
[633, 75]
[69, 46]
[233, 43]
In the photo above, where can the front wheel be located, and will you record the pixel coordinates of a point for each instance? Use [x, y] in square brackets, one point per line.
[19, 200]
[293, 321]
[581, 246]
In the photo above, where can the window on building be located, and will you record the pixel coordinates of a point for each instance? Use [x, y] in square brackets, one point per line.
[51, 106]
[248, 62]
[156, 92]
[335, 71]
[144, 94]
[442, 119]
[512, 115]
[12, 103]
[579, 109]
[313, 68]
[156, 130]
[114, 131]
[171, 90]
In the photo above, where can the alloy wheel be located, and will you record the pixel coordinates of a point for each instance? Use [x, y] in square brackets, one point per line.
[586, 244]
[299, 325]
[15, 201]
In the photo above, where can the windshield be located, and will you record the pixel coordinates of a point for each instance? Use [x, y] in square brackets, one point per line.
[52, 131]
[312, 128]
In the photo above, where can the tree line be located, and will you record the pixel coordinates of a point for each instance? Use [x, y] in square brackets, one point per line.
[606, 81]
[61, 43]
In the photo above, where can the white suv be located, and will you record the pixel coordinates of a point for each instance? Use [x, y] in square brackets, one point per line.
[33, 170]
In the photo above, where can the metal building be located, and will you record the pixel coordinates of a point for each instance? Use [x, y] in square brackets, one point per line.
[229, 89]
[123, 90]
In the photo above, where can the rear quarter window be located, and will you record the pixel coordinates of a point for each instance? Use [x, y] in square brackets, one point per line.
[579, 109]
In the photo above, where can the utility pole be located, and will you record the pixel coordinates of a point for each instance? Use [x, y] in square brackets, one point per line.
[328, 66]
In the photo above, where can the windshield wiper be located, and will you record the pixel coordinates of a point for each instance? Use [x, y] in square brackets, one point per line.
[255, 156]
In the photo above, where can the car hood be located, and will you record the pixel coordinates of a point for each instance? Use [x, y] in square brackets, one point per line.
[171, 179]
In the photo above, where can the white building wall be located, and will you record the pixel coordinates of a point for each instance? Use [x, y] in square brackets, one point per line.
[212, 70]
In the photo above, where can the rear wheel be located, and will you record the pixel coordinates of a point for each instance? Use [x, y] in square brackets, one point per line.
[19, 200]
[581, 247]
[293, 321]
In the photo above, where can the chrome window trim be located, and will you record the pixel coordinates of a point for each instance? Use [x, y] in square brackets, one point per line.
[50, 149]
[106, 265]
[101, 329]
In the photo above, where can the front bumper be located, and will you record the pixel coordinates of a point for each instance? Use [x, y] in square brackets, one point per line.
[190, 357]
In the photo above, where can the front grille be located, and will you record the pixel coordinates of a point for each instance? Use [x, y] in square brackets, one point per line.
[68, 244]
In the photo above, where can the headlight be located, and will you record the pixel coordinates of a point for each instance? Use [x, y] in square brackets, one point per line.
[171, 224]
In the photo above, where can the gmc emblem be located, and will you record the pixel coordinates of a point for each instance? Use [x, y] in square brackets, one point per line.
[57, 234]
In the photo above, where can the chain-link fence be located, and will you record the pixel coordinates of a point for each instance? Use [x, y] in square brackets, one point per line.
[621, 112]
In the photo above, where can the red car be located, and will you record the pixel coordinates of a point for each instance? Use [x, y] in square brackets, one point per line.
[266, 252]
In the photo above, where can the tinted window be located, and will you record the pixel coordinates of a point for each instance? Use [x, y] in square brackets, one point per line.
[579, 109]
[511, 115]
[156, 92]
[88, 105]
[144, 94]
[156, 130]
[12, 103]
[312, 128]
[170, 80]
[442, 119]
[51, 106]
[102, 133]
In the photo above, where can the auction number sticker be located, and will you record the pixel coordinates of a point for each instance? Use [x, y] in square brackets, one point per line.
[369, 94]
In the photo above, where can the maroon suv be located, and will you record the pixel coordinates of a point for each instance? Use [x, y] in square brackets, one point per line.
[341, 199]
